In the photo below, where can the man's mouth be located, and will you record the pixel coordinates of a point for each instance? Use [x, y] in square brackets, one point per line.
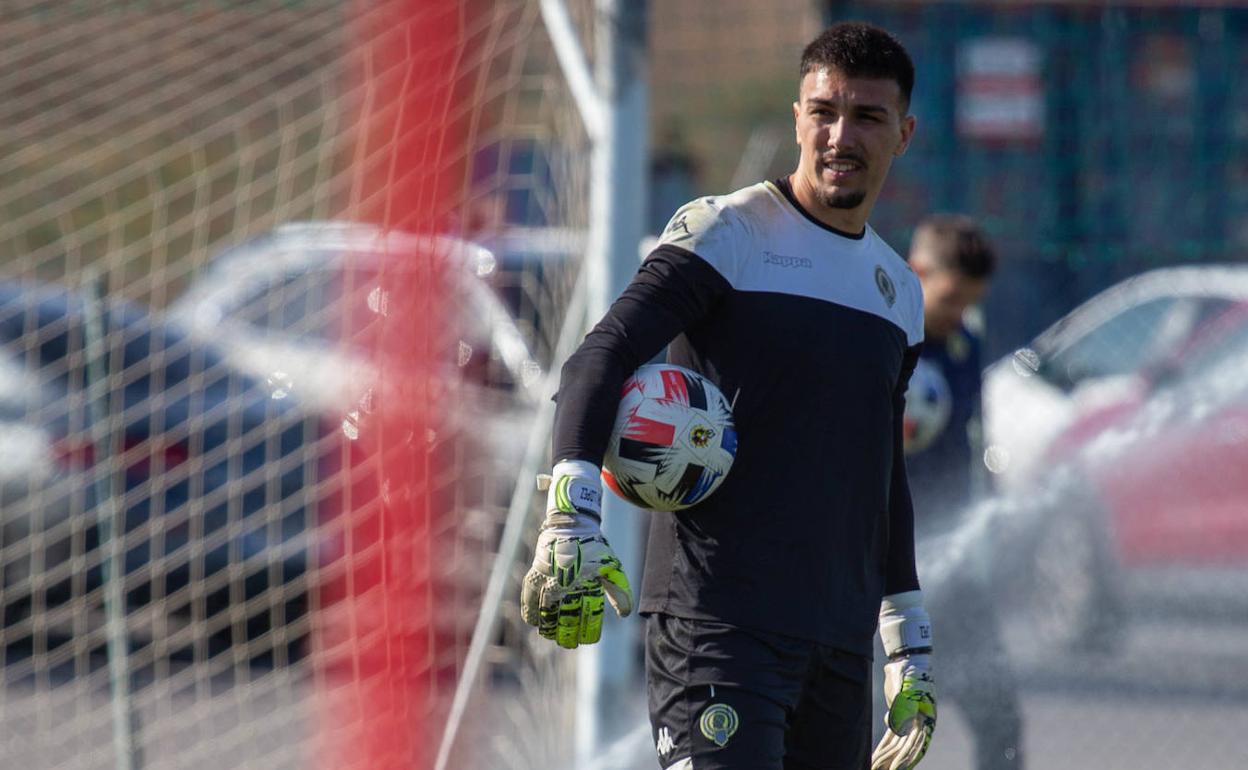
[839, 168]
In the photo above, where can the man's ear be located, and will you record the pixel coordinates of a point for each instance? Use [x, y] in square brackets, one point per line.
[797, 111]
[907, 133]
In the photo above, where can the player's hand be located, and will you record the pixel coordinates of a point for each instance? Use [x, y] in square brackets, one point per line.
[909, 689]
[911, 718]
[574, 569]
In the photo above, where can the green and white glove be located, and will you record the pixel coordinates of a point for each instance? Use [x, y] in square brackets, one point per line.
[909, 690]
[574, 567]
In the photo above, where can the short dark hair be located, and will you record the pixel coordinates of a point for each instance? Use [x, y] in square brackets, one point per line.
[955, 242]
[861, 50]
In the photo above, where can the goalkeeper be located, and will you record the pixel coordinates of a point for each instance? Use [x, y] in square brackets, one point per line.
[761, 602]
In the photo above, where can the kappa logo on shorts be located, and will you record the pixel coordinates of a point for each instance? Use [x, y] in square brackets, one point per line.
[664, 744]
[719, 722]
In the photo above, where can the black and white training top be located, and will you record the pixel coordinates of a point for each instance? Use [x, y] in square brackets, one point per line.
[814, 332]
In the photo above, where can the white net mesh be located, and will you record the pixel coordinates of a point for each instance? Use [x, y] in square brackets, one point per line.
[184, 392]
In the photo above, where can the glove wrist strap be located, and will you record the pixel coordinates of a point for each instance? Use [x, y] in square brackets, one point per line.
[575, 494]
[905, 628]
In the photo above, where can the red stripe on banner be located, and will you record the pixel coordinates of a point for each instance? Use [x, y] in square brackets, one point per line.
[674, 387]
[650, 431]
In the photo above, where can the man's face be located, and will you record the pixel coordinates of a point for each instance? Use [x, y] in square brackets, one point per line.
[946, 296]
[849, 131]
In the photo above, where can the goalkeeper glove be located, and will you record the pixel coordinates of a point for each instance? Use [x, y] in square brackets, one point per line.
[574, 566]
[909, 690]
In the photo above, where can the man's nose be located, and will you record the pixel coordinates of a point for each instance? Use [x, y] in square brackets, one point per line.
[840, 133]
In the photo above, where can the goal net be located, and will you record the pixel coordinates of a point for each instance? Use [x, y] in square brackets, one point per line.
[281, 286]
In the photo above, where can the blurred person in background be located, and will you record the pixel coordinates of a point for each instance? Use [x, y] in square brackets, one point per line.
[761, 602]
[955, 263]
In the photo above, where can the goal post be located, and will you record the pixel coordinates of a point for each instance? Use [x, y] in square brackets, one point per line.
[377, 638]
[302, 572]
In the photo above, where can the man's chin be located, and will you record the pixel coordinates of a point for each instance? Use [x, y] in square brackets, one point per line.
[842, 199]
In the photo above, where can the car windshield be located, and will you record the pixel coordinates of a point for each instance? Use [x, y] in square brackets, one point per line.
[342, 306]
[324, 305]
[1224, 357]
[1123, 344]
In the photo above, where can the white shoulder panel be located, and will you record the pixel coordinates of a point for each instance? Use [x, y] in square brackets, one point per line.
[758, 241]
[710, 229]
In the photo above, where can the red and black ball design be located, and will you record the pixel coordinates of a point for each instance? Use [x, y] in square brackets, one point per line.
[674, 439]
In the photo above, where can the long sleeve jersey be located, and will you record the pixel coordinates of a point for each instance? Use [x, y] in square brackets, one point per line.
[812, 333]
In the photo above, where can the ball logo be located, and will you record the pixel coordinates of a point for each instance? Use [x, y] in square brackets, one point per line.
[701, 436]
[718, 723]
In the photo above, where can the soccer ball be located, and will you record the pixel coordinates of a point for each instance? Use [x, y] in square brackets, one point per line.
[673, 441]
[928, 405]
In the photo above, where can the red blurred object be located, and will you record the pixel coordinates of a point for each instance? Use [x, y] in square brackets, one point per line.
[378, 634]
[1121, 434]
[1186, 499]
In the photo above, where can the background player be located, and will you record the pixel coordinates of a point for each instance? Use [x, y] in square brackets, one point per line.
[955, 262]
[761, 601]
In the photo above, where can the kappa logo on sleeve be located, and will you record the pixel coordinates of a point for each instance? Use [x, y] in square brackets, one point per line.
[678, 230]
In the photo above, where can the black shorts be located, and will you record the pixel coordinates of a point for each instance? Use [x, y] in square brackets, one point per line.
[729, 698]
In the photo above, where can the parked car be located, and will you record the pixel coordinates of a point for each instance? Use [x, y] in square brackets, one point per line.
[1171, 472]
[1139, 404]
[33, 467]
[1105, 351]
[308, 305]
[199, 463]
[300, 305]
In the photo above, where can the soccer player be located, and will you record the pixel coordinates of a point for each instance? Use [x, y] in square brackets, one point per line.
[761, 602]
[955, 262]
